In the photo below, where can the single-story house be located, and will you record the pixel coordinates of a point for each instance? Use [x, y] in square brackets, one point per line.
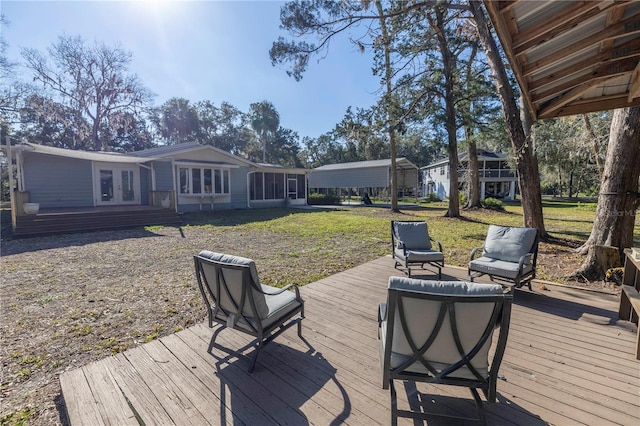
[497, 179]
[184, 178]
[372, 177]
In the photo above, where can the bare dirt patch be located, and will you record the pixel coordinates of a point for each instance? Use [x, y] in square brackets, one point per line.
[72, 299]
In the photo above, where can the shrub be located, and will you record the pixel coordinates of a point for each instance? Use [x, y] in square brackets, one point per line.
[431, 198]
[462, 198]
[493, 204]
[322, 199]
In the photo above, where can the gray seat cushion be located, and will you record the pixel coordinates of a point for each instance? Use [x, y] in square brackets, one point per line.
[487, 265]
[417, 256]
[472, 319]
[508, 243]
[414, 235]
[278, 305]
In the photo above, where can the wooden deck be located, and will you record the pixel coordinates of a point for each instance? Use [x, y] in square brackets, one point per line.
[568, 361]
[54, 221]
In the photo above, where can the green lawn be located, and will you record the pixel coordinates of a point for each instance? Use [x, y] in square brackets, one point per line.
[365, 231]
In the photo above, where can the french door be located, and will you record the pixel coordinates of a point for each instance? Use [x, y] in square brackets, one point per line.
[116, 184]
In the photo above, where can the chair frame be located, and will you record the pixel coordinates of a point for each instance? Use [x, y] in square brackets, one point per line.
[439, 264]
[501, 317]
[521, 279]
[246, 324]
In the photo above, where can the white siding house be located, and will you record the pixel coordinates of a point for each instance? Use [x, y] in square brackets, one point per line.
[497, 179]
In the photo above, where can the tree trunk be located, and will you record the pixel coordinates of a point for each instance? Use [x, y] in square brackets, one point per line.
[559, 181]
[521, 141]
[449, 65]
[390, 110]
[618, 199]
[594, 145]
[571, 184]
[474, 177]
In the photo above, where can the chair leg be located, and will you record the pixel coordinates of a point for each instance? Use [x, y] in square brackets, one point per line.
[480, 408]
[394, 404]
[254, 358]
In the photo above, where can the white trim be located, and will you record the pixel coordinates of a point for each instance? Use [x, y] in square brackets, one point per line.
[116, 169]
[205, 165]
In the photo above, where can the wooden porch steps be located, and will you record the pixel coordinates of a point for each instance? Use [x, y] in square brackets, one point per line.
[52, 223]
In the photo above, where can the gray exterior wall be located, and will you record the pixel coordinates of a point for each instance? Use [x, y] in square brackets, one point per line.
[164, 175]
[58, 181]
[375, 177]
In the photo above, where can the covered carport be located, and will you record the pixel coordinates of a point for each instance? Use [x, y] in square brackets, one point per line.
[372, 177]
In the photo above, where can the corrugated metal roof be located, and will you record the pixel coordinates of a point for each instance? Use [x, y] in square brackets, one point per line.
[572, 57]
[401, 163]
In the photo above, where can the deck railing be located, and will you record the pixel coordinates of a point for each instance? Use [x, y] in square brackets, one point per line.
[164, 199]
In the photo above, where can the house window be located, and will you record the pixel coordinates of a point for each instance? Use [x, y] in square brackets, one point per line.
[208, 187]
[267, 186]
[442, 171]
[196, 180]
[184, 181]
[302, 189]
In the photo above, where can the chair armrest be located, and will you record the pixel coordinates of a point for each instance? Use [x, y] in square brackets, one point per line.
[524, 259]
[401, 245]
[282, 290]
[474, 251]
[438, 243]
[382, 313]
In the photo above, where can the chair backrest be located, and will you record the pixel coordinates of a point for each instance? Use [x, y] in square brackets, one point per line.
[510, 243]
[232, 284]
[414, 235]
[443, 329]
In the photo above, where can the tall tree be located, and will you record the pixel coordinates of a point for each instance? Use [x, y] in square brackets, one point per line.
[11, 90]
[441, 24]
[517, 127]
[389, 101]
[93, 79]
[46, 122]
[265, 121]
[176, 121]
[225, 127]
[619, 199]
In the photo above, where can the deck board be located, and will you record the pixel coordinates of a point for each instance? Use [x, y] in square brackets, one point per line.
[569, 360]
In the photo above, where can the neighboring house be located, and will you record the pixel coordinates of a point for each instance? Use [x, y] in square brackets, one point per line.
[184, 178]
[373, 177]
[497, 179]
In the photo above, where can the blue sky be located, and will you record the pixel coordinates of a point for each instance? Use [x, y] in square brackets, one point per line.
[204, 50]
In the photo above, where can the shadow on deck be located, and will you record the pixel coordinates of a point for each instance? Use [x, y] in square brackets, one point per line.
[569, 360]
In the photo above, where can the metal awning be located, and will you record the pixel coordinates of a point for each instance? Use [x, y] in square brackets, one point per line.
[571, 57]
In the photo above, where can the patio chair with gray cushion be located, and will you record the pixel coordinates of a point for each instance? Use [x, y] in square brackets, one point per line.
[412, 245]
[509, 254]
[231, 289]
[440, 332]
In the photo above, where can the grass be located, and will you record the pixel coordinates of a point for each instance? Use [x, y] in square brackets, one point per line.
[326, 232]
